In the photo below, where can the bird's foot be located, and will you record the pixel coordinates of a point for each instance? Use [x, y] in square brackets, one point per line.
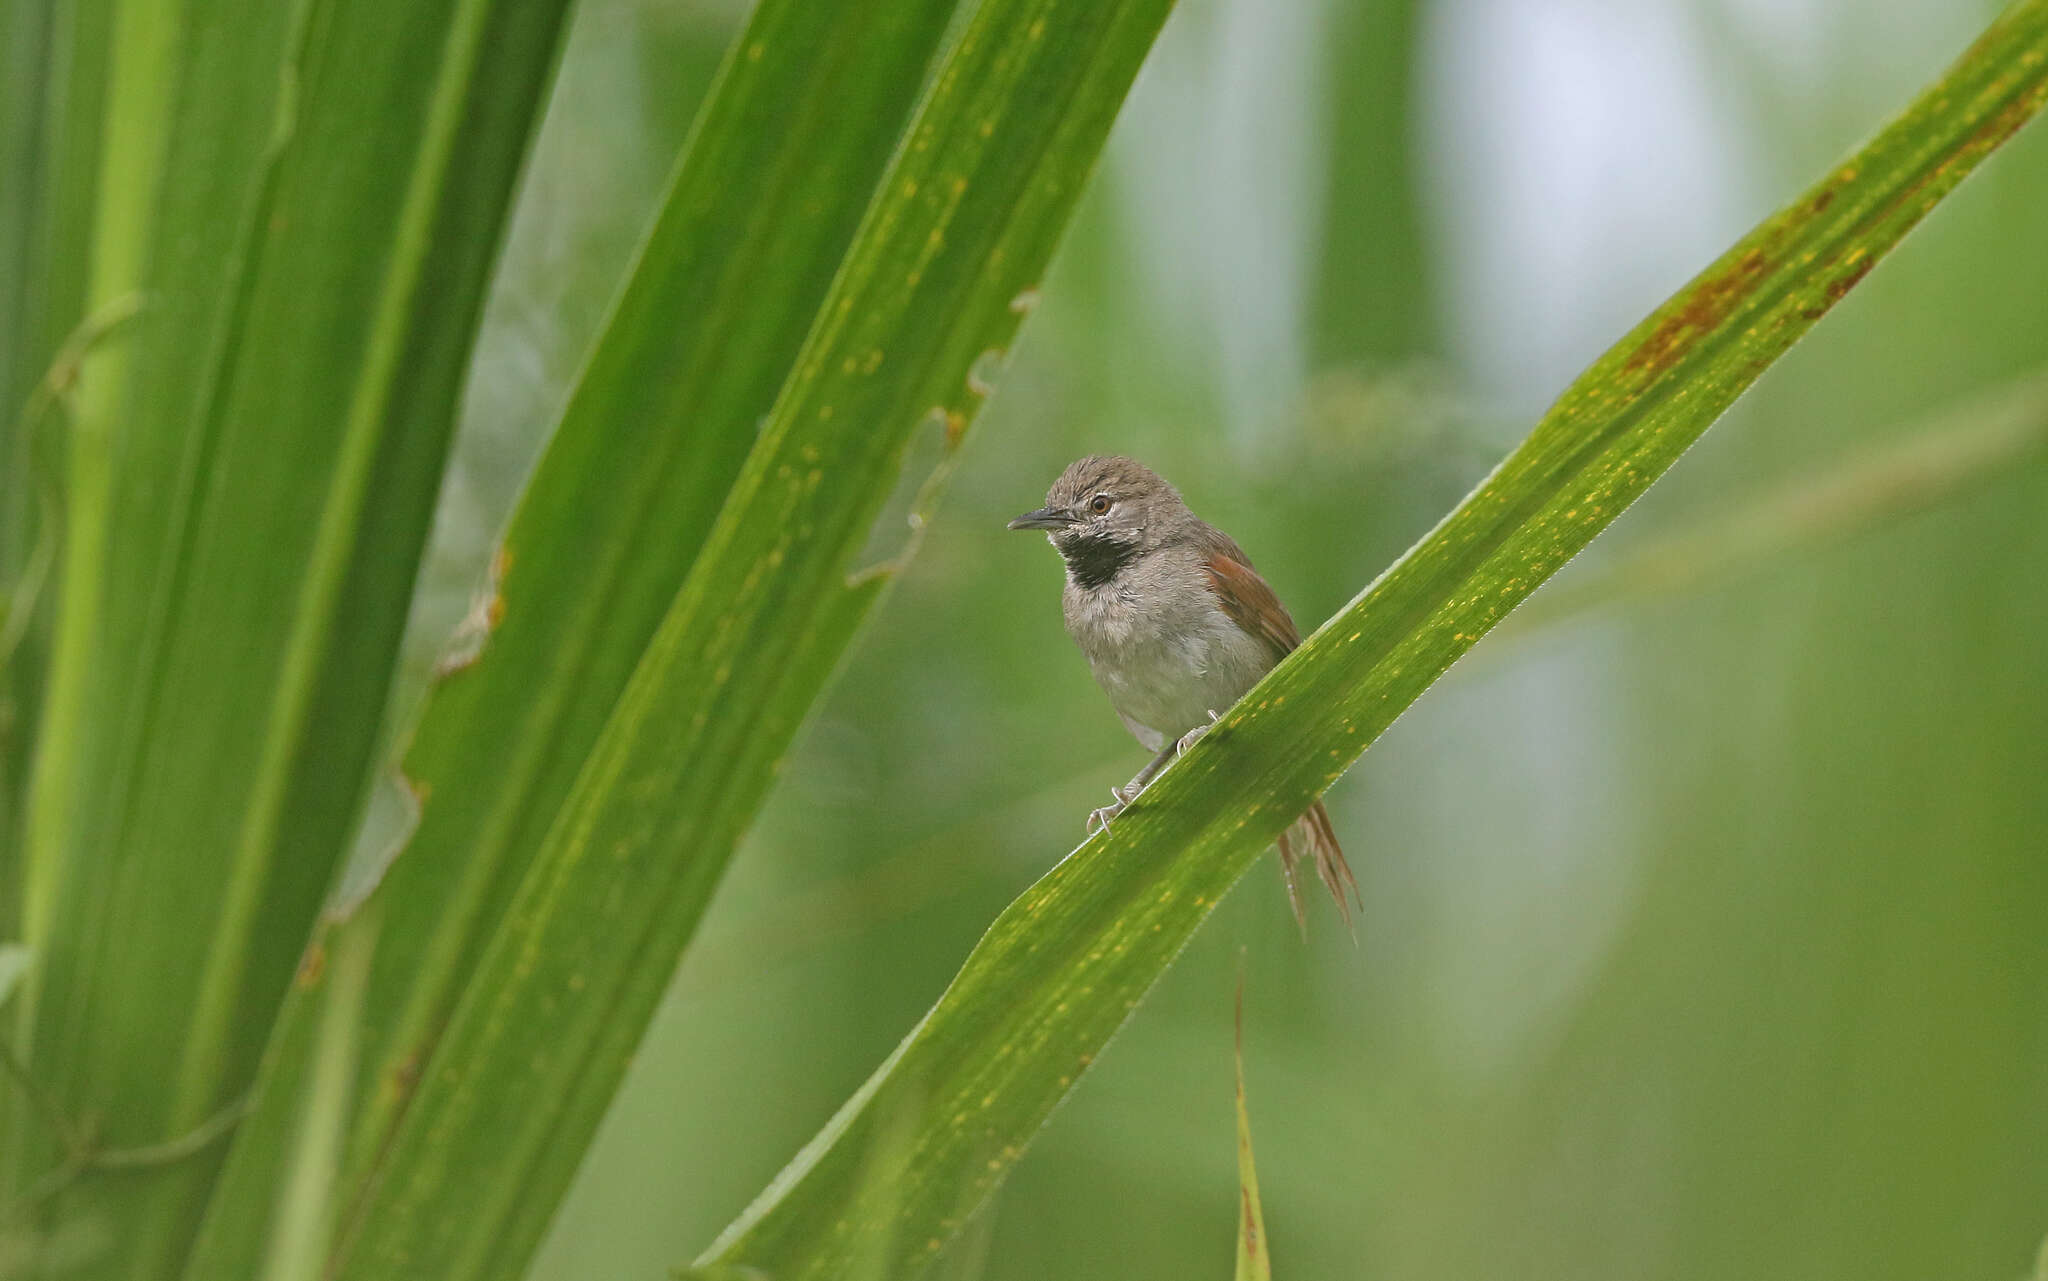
[1193, 736]
[1098, 820]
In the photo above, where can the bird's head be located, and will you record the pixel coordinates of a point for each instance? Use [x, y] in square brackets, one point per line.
[1106, 499]
[1104, 512]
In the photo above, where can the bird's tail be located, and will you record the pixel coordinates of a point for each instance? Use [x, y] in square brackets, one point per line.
[1312, 834]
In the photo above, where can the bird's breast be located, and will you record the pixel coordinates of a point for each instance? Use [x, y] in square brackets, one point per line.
[1166, 659]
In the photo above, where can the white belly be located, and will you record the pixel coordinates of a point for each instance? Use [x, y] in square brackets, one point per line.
[1165, 669]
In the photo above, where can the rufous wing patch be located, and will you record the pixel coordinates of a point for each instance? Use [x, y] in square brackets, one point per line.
[1250, 603]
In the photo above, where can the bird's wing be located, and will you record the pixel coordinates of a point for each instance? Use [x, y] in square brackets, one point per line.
[1245, 597]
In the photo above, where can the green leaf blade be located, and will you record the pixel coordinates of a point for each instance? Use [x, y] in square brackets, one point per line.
[775, 179]
[1061, 968]
[1254, 1261]
[309, 211]
[752, 229]
[940, 275]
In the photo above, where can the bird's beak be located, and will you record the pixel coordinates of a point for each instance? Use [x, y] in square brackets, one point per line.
[1043, 518]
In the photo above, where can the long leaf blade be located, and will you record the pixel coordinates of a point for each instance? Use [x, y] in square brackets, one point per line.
[1254, 1262]
[770, 189]
[308, 198]
[1062, 968]
[32, 265]
[939, 278]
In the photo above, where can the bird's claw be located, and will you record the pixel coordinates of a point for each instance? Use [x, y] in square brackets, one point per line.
[1193, 736]
[1098, 820]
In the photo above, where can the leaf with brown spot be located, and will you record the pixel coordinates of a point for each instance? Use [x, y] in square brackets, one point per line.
[1059, 971]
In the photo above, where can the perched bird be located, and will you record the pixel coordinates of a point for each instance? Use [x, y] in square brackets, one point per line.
[1176, 626]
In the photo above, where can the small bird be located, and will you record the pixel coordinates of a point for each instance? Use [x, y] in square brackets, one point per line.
[1176, 626]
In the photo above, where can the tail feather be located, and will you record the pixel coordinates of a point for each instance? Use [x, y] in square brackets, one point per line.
[1312, 834]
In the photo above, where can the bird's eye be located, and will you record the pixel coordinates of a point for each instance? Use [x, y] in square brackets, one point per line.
[1099, 504]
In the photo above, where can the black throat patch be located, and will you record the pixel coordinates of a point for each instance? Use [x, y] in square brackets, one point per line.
[1094, 559]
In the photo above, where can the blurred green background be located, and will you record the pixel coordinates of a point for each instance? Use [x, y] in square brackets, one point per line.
[1704, 931]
